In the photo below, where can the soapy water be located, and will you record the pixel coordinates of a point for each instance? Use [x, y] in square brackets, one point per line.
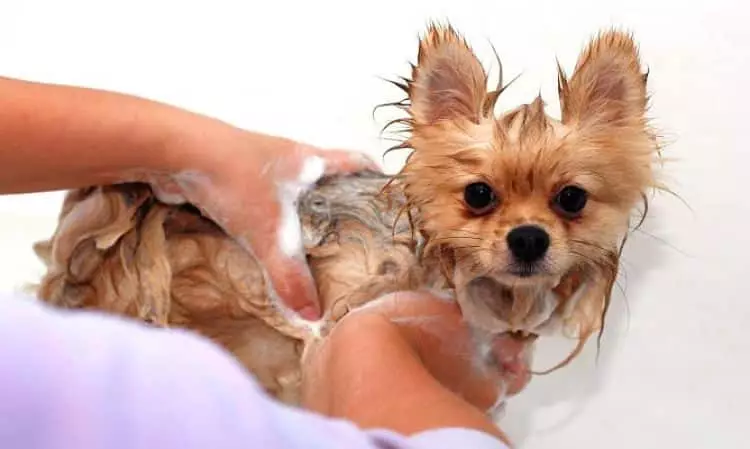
[289, 232]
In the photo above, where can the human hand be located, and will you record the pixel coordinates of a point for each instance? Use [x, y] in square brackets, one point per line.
[249, 184]
[368, 354]
[62, 137]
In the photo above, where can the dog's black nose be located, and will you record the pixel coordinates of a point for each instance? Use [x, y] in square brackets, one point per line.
[528, 243]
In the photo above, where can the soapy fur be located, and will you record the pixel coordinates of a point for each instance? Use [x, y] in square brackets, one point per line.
[120, 249]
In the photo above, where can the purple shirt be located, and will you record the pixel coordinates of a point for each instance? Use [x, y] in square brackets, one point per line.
[83, 380]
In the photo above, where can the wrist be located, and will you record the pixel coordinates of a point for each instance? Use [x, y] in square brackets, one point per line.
[197, 143]
[194, 143]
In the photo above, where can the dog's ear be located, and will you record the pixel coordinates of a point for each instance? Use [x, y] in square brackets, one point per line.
[607, 88]
[448, 82]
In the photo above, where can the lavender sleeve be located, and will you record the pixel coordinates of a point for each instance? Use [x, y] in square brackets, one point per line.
[74, 380]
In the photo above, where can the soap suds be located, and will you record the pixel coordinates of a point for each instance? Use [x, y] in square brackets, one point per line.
[289, 233]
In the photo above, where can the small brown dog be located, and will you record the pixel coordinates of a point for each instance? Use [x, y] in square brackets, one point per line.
[522, 217]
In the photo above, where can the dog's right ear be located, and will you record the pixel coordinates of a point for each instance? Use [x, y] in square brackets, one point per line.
[448, 82]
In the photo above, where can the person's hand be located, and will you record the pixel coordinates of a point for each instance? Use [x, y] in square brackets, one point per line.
[62, 137]
[249, 184]
[369, 353]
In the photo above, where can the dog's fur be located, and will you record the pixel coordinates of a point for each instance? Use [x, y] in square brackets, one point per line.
[603, 144]
[119, 249]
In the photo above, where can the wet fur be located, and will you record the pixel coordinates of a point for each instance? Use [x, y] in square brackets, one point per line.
[603, 142]
[117, 248]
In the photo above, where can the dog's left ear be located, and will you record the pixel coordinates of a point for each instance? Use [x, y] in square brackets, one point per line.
[607, 88]
[448, 82]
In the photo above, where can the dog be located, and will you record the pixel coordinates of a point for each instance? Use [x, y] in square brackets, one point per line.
[520, 217]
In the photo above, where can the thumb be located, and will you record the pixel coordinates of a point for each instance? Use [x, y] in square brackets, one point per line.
[276, 243]
[291, 282]
[344, 161]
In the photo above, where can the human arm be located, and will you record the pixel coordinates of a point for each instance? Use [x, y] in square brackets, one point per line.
[59, 137]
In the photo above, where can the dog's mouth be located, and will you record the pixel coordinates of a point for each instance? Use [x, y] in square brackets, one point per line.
[524, 307]
[527, 270]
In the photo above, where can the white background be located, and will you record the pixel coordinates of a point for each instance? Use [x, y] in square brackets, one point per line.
[675, 361]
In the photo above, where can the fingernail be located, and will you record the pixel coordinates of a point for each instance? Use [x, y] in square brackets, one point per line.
[310, 313]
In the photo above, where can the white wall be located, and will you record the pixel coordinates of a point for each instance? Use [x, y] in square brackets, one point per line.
[674, 362]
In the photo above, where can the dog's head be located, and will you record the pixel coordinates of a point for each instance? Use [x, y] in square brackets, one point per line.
[523, 199]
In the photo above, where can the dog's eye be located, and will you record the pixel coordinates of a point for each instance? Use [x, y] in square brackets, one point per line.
[480, 197]
[571, 200]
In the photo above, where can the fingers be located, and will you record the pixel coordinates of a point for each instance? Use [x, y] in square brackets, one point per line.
[440, 334]
[305, 164]
[293, 284]
[276, 241]
[284, 259]
[411, 304]
[514, 358]
[344, 162]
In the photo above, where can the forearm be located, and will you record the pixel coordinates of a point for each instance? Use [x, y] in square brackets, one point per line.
[379, 382]
[57, 137]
